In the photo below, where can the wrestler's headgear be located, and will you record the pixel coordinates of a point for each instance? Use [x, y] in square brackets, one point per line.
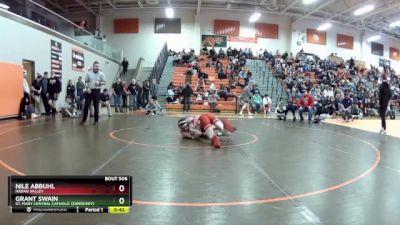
[183, 123]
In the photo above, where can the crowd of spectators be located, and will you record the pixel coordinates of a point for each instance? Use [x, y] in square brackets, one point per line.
[320, 87]
[205, 91]
[336, 89]
[44, 95]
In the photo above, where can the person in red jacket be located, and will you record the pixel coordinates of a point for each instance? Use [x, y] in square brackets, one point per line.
[306, 104]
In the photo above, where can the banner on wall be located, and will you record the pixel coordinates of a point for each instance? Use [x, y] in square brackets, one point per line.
[56, 58]
[78, 60]
[214, 40]
[242, 39]
[384, 62]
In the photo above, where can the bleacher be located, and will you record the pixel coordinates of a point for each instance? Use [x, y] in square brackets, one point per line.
[267, 83]
[179, 77]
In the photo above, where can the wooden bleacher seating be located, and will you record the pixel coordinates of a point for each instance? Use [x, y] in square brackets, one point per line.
[179, 77]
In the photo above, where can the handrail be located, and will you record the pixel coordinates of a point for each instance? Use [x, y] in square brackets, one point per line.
[65, 19]
[47, 21]
[117, 75]
[159, 65]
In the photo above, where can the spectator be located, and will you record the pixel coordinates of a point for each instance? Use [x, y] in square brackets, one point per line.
[124, 65]
[132, 91]
[384, 97]
[26, 110]
[36, 91]
[212, 88]
[199, 99]
[105, 101]
[345, 107]
[171, 86]
[153, 93]
[246, 96]
[249, 78]
[117, 89]
[224, 92]
[94, 80]
[242, 75]
[187, 93]
[291, 106]
[154, 88]
[71, 91]
[53, 90]
[80, 86]
[267, 104]
[281, 110]
[392, 111]
[139, 90]
[318, 112]
[151, 107]
[145, 93]
[44, 93]
[336, 104]
[306, 104]
[176, 59]
[356, 112]
[212, 101]
[257, 102]
[125, 95]
[351, 63]
[68, 108]
[202, 75]
[200, 86]
[171, 96]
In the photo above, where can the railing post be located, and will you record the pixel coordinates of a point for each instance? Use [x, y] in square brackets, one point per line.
[236, 104]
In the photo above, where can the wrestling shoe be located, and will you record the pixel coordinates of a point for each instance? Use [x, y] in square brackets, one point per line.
[228, 126]
[215, 142]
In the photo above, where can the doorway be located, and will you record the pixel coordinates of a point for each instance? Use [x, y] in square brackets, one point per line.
[29, 66]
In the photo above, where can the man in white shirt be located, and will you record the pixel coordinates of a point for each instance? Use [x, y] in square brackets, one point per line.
[94, 80]
[267, 104]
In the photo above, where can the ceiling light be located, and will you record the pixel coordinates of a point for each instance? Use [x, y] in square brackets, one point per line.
[324, 26]
[255, 17]
[307, 2]
[374, 38]
[169, 12]
[4, 6]
[363, 10]
[395, 24]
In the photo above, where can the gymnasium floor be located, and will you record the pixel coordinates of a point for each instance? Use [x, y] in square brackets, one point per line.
[269, 172]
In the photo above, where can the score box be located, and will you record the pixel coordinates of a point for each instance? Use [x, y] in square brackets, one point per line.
[69, 193]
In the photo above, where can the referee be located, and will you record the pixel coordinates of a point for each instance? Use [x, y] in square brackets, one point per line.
[384, 97]
[94, 80]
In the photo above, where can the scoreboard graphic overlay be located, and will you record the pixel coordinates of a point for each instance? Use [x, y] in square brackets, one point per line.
[70, 194]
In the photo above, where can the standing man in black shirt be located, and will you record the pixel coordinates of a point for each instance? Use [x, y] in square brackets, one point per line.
[139, 91]
[43, 94]
[117, 89]
[124, 65]
[145, 93]
[94, 80]
[187, 93]
[384, 97]
[53, 90]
